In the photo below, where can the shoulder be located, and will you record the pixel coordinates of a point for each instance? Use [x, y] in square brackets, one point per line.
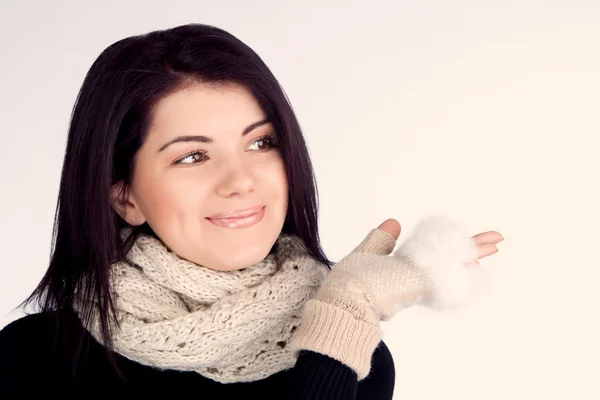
[31, 323]
[33, 341]
[28, 334]
[29, 363]
[29, 352]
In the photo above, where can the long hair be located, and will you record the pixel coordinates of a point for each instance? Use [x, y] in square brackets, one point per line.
[108, 125]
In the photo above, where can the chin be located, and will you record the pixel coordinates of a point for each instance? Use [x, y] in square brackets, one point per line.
[242, 262]
[255, 255]
[245, 256]
[243, 248]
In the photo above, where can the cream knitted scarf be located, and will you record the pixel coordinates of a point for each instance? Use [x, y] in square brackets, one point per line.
[229, 326]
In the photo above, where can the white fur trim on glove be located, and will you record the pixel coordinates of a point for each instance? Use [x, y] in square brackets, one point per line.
[440, 248]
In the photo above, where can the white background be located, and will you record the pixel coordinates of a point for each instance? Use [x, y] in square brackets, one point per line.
[486, 110]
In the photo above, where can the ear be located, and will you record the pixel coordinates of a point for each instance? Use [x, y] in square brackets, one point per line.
[124, 203]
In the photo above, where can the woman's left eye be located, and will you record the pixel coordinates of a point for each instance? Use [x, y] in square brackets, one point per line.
[267, 141]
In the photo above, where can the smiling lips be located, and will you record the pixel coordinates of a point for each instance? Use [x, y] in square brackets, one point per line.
[238, 218]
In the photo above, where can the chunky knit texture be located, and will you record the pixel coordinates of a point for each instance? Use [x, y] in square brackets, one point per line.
[368, 286]
[241, 326]
[230, 326]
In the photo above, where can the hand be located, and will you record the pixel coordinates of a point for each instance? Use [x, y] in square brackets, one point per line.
[368, 286]
[486, 241]
[486, 246]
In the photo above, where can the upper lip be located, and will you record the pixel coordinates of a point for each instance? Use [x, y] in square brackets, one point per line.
[237, 213]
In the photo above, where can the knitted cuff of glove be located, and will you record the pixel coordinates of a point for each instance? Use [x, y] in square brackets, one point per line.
[440, 248]
[335, 332]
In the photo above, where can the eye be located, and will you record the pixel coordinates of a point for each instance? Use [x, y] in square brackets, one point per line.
[195, 157]
[265, 143]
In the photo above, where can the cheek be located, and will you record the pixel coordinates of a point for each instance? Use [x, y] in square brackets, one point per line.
[279, 183]
[165, 197]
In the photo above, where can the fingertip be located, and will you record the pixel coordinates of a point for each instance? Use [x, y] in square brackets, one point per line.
[391, 226]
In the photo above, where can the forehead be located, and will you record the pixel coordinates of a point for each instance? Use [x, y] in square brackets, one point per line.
[205, 109]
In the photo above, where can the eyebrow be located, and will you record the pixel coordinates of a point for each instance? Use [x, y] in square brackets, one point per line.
[206, 139]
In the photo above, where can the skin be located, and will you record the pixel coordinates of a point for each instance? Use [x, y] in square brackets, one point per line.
[176, 187]
[486, 241]
[236, 172]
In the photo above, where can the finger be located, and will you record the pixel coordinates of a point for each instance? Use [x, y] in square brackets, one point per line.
[472, 264]
[488, 237]
[486, 249]
[391, 226]
[381, 240]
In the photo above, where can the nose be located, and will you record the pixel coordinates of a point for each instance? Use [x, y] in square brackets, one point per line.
[237, 179]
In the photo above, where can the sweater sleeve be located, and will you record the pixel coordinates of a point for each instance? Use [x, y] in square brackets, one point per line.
[318, 376]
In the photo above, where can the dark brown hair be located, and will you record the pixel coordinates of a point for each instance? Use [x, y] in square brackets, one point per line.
[108, 125]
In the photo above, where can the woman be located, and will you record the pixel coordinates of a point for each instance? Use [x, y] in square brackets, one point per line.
[186, 253]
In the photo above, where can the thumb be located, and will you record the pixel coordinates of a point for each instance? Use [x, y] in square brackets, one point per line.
[381, 240]
[391, 226]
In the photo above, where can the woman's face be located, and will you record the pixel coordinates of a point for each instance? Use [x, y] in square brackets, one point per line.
[210, 151]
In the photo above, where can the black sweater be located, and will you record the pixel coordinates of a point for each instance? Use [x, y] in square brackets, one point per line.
[32, 367]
